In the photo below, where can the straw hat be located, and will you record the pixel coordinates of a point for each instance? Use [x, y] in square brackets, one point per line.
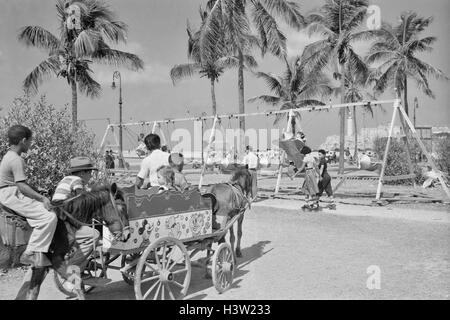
[81, 164]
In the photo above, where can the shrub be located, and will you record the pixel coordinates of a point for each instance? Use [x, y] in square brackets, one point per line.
[443, 154]
[54, 141]
[397, 163]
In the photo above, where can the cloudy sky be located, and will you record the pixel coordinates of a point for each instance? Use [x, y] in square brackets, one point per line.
[157, 34]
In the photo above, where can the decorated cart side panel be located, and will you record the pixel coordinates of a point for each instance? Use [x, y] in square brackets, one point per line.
[169, 214]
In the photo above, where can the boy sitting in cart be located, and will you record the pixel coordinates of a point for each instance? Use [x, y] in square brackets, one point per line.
[80, 173]
[166, 179]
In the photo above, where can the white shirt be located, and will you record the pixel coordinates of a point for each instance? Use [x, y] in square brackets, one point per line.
[310, 160]
[151, 163]
[251, 160]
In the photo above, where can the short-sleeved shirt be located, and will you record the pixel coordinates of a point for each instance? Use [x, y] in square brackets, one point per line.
[323, 163]
[67, 188]
[309, 160]
[150, 165]
[12, 169]
[251, 160]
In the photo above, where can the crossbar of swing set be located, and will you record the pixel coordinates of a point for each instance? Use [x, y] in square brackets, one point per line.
[267, 113]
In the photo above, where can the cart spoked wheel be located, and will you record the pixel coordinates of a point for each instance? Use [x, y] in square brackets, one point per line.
[223, 266]
[163, 271]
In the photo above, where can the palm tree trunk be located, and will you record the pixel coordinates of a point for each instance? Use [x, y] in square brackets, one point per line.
[405, 95]
[241, 96]
[213, 97]
[74, 103]
[356, 134]
[342, 124]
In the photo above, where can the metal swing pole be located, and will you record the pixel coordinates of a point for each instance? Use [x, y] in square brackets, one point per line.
[102, 144]
[208, 149]
[424, 150]
[154, 127]
[386, 151]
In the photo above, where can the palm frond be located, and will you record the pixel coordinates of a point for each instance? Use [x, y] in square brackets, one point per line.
[181, 71]
[271, 100]
[289, 11]
[87, 85]
[272, 38]
[421, 45]
[117, 58]
[113, 31]
[38, 37]
[87, 43]
[319, 28]
[274, 83]
[42, 72]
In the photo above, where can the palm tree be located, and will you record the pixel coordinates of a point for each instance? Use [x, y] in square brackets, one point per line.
[86, 28]
[355, 85]
[395, 51]
[212, 67]
[236, 18]
[294, 89]
[338, 21]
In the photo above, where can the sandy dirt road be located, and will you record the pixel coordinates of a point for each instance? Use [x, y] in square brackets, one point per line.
[289, 254]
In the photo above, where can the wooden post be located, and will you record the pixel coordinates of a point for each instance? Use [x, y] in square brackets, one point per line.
[283, 156]
[208, 149]
[383, 168]
[408, 146]
[424, 150]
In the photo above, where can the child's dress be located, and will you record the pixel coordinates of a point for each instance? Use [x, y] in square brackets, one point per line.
[310, 186]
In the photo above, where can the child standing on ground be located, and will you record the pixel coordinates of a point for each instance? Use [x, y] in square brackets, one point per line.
[324, 178]
[310, 187]
[176, 161]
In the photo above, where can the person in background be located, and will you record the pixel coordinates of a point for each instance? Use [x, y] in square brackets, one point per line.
[176, 161]
[17, 195]
[324, 178]
[152, 162]
[251, 161]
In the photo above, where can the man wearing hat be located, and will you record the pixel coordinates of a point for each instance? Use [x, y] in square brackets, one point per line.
[80, 173]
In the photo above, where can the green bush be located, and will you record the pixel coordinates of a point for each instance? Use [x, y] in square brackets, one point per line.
[443, 154]
[54, 141]
[397, 163]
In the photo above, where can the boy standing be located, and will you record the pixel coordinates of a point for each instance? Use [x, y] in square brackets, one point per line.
[324, 178]
[176, 161]
[17, 195]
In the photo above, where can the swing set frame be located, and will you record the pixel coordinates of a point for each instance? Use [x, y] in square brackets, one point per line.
[397, 110]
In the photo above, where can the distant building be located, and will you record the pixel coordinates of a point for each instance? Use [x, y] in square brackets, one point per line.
[366, 137]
